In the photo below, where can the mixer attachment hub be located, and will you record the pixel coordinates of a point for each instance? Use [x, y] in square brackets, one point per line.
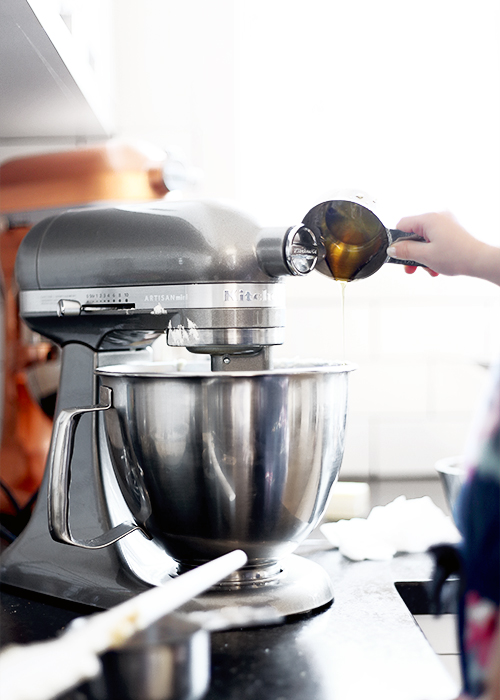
[251, 360]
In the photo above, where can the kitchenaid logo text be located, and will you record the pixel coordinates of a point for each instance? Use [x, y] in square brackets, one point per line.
[158, 298]
[213, 295]
[237, 295]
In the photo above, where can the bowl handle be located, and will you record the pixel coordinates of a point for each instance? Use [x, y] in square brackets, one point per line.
[59, 465]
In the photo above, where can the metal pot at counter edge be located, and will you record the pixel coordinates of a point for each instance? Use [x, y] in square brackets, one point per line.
[451, 472]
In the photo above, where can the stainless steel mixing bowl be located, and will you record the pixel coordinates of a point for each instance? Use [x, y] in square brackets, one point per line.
[209, 462]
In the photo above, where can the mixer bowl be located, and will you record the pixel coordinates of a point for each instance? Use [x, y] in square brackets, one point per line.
[209, 462]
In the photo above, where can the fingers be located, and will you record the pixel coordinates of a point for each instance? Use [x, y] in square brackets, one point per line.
[425, 224]
[410, 269]
[412, 224]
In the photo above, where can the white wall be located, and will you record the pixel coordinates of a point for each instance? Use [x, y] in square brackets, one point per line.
[400, 99]
[175, 83]
[282, 101]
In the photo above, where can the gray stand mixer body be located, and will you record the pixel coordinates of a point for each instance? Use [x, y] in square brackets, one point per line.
[104, 284]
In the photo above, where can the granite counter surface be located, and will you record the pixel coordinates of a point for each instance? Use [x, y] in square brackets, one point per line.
[365, 645]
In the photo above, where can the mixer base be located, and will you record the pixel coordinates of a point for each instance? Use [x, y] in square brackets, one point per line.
[301, 586]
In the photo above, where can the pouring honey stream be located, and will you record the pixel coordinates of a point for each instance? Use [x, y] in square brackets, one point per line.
[354, 242]
[351, 236]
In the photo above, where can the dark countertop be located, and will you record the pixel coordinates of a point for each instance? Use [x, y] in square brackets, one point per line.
[365, 645]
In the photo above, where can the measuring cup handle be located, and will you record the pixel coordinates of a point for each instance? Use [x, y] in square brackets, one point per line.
[395, 234]
[59, 465]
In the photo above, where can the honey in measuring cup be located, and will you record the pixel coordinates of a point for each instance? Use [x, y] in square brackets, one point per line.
[354, 239]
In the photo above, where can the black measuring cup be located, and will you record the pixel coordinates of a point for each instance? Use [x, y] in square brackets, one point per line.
[355, 241]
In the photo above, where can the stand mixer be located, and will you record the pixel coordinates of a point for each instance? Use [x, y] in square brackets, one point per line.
[152, 470]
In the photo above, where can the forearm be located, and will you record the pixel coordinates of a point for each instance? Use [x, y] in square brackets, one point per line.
[485, 264]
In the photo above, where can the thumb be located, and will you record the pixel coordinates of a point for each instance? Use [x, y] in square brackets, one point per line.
[407, 250]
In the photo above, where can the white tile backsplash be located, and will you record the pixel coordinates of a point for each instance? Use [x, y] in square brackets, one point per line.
[410, 445]
[356, 462]
[382, 386]
[420, 344]
[435, 328]
[455, 387]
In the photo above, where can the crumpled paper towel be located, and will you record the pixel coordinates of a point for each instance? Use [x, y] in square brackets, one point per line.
[404, 525]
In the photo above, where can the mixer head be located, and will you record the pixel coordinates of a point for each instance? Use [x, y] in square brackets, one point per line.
[205, 274]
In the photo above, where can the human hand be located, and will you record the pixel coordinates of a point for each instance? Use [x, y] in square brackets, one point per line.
[449, 250]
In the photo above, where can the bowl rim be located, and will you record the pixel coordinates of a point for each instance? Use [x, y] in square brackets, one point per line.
[153, 369]
[451, 465]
